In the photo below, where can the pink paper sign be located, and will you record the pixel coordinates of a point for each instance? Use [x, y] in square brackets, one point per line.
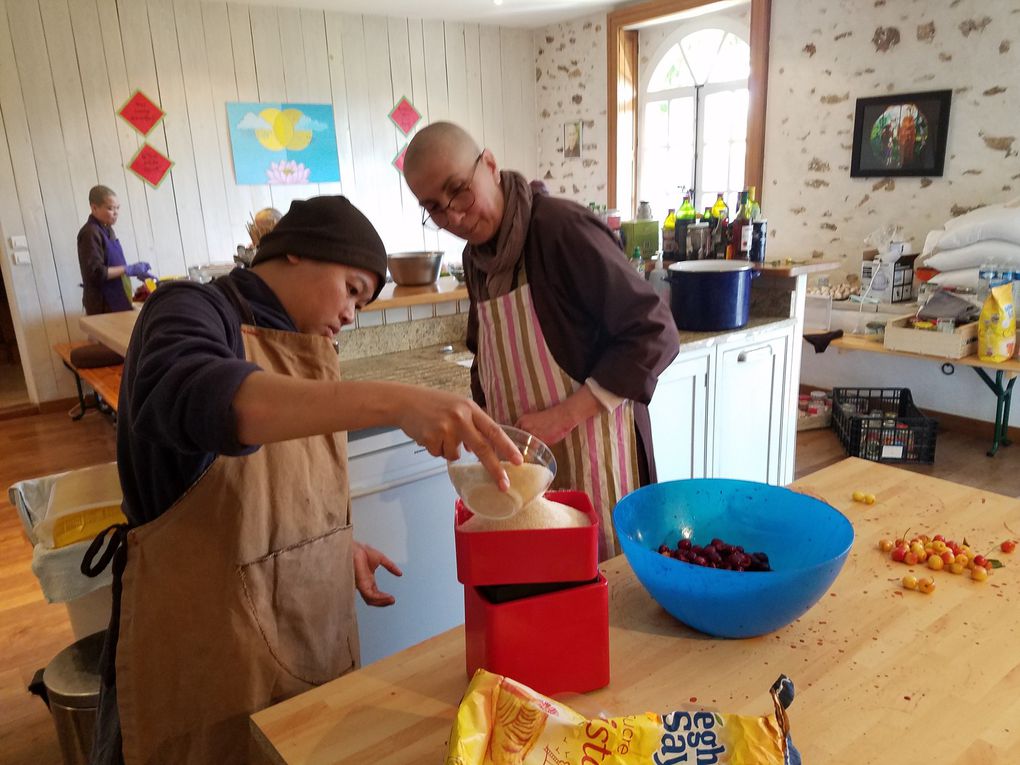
[398, 161]
[141, 113]
[404, 115]
[150, 166]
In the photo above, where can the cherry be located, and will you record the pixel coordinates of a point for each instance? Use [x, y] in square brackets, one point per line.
[1008, 546]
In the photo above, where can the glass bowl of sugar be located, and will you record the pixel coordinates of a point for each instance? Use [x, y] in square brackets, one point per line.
[528, 480]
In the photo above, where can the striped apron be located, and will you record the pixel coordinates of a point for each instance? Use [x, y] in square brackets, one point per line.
[519, 375]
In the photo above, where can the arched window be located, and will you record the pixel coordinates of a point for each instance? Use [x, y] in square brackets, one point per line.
[693, 119]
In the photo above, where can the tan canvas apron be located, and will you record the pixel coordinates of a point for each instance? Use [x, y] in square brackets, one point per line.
[519, 375]
[242, 594]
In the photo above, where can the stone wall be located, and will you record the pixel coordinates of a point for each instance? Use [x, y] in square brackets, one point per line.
[824, 56]
[571, 85]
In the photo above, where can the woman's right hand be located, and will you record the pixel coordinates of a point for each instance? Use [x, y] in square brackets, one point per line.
[442, 421]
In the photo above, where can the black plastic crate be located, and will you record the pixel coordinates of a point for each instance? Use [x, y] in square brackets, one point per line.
[883, 425]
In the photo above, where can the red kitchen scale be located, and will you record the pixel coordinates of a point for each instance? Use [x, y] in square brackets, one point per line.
[536, 608]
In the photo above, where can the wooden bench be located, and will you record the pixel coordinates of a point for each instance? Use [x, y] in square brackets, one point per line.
[105, 381]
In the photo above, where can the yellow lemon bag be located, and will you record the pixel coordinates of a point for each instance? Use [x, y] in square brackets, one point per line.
[997, 325]
[501, 722]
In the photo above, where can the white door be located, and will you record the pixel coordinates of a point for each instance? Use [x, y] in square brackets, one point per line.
[680, 412]
[749, 410]
[402, 503]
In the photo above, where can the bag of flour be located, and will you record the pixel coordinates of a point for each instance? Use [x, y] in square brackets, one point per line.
[997, 325]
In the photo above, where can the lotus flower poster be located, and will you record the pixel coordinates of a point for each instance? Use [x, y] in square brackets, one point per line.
[283, 143]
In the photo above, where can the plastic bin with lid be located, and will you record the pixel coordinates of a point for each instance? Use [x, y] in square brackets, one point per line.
[61, 514]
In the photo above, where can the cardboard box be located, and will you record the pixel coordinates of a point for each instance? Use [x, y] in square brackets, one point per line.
[961, 342]
[640, 233]
[894, 282]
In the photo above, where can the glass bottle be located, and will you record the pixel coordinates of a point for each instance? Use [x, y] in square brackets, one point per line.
[740, 229]
[719, 210]
[669, 240]
[755, 207]
[720, 233]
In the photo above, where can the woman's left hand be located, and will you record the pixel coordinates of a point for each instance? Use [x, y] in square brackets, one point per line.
[554, 424]
[366, 561]
[550, 426]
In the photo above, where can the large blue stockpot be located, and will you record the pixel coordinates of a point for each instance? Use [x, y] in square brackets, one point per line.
[710, 295]
[807, 542]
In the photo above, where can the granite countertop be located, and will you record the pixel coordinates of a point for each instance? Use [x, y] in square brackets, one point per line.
[450, 371]
[427, 366]
[690, 341]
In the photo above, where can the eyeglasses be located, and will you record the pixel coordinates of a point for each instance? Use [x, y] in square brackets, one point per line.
[461, 200]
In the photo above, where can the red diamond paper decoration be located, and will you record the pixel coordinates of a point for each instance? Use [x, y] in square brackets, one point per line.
[141, 113]
[150, 166]
[404, 115]
[398, 161]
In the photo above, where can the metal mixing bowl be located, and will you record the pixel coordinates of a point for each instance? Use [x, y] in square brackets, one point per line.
[414, 269]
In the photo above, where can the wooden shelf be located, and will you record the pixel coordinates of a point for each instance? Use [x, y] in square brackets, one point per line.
[445, 290]
[785, 268]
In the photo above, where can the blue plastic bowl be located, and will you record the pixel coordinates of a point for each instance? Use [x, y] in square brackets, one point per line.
[807, 542]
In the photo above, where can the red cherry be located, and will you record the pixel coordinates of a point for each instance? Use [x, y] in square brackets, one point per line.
[981, 560]
[899, 553]
[1008, 546]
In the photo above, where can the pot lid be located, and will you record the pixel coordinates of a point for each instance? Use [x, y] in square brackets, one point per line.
[710, 266]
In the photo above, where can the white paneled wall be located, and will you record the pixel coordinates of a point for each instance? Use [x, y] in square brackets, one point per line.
[66, 66]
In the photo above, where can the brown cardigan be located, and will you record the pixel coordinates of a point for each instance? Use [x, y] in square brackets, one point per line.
[599, 317]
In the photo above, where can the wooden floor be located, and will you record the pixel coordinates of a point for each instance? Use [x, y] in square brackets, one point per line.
[32, 631]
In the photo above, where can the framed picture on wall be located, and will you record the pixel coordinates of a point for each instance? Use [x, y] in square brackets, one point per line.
[901, 135]
[572, 139]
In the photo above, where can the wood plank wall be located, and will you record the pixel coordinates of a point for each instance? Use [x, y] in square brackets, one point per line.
[66, 67]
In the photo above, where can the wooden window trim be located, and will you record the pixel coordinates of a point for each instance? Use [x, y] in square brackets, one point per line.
[622, 80]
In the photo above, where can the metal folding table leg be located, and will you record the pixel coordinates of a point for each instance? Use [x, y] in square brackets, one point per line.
[1003, 399]
[82, 406]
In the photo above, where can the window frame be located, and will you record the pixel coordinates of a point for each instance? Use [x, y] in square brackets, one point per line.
[622, 89]
[727, 26]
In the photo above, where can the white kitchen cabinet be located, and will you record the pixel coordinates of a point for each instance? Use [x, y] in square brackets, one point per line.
[680, 414]
[750, 407]
[724, 411]
[402, 503]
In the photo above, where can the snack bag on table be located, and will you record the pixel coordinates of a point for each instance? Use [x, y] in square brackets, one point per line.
[501, 722]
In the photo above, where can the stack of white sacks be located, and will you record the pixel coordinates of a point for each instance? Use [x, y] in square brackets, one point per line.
[988, 235]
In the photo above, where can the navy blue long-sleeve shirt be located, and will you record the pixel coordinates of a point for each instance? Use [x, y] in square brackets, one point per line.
[182, 370]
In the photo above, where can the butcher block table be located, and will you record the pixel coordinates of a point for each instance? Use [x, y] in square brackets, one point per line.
[883, 674]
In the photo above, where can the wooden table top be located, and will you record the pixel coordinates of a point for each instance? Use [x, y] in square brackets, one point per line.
[882, 674]
[873, 344]
[111, 329]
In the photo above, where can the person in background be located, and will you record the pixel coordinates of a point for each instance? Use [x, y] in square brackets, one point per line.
[568, 340]
[104, 270]
[234, 585]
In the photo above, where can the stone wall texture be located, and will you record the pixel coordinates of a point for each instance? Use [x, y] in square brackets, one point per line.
[570, 84]
[823, 56]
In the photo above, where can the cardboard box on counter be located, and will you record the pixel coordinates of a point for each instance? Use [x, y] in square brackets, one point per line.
[894, 282]
[640, 233]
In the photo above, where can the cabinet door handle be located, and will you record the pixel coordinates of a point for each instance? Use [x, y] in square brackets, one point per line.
[746, 356]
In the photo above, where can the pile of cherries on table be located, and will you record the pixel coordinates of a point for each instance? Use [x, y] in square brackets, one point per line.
[717, 554]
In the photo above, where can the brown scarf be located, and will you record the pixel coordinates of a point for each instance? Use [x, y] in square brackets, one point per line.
[490, 269]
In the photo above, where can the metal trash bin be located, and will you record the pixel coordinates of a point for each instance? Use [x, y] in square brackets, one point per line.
[72, 684]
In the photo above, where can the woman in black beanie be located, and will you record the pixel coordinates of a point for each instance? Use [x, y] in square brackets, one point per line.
[234, 584]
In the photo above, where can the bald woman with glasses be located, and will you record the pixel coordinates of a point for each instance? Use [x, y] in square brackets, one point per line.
[569, 341]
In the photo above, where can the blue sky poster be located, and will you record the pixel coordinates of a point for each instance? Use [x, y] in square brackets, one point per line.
[276, 143]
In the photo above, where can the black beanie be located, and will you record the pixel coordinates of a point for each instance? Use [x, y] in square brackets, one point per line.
[329, 229]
